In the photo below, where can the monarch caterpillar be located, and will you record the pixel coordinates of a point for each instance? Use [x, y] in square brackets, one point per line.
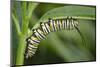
[52, 25]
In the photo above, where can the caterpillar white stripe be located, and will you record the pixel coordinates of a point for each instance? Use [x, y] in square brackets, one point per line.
[52, 25]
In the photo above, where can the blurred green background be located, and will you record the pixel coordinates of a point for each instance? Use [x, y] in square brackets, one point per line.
[59, 47]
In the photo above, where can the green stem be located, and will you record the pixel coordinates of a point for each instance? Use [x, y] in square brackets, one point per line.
[24, 18]
[78, 17]
[16, 24]
[20, 51]
[24, 32]
[31, 7]
[22, 37]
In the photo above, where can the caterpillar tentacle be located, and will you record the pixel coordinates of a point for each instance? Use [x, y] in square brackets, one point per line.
[82, 37]
[52, 25]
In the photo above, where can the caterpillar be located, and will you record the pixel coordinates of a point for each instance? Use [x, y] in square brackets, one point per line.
[40, 33]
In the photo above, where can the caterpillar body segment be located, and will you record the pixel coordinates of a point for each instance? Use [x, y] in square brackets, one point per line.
[40, 33]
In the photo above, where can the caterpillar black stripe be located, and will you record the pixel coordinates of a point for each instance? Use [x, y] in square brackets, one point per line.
[52, 25]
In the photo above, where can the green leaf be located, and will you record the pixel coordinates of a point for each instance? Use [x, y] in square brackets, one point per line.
[78, 12]
[74, 51]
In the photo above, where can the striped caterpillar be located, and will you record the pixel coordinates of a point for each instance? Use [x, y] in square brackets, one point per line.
[40, 33]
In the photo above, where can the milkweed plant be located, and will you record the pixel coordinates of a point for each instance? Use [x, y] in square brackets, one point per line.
[24, 20]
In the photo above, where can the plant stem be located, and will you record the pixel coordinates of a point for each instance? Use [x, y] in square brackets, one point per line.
[16, 24]
[22, 37]
[77, 17]
[20, 51]
[31, 7]
[24, 32]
